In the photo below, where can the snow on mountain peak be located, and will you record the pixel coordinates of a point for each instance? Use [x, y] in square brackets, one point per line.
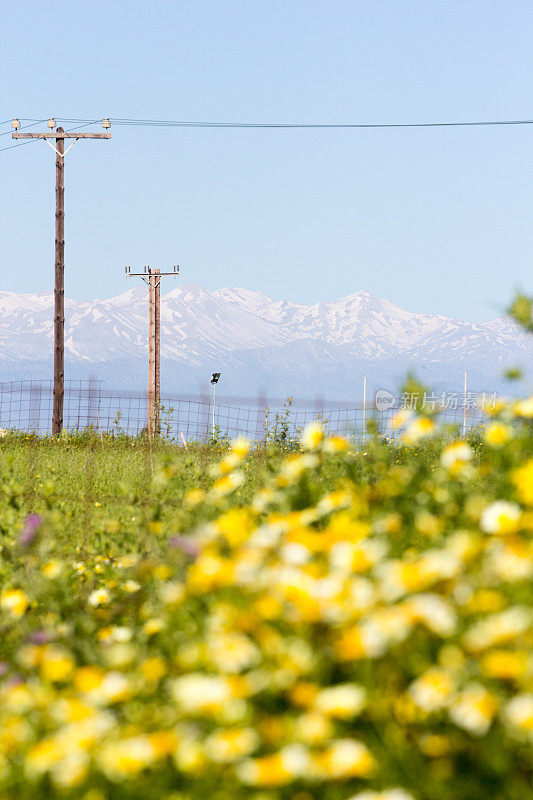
[267, 342]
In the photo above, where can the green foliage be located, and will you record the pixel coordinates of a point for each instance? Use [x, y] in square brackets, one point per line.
[521, 310]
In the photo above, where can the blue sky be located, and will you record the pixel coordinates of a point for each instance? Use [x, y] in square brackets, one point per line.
[436, 220]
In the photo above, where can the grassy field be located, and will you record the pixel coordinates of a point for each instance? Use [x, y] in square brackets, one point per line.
[228, 623]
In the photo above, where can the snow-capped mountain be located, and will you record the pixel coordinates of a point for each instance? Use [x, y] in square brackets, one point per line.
[260, 346]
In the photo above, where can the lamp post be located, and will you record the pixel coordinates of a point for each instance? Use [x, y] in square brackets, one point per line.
[214, 381]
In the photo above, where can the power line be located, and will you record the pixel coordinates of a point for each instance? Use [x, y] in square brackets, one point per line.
[330, 125]
[168, 123]
[319, 125]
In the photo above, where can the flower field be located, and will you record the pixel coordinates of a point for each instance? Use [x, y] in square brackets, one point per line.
[231, 623]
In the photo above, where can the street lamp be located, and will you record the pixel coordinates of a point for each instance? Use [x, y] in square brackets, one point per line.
[214, 380]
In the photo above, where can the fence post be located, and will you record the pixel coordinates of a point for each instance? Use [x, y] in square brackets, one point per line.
[364, 408]
[464, 408]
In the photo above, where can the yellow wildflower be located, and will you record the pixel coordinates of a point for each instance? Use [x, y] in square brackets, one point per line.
[56, 664]
[100, 597]
[524, 408]
[519, 713]
[342, 701]
[226, 484]
[418, 429]
[313, 435]
[52, 569]
[473, 709]
[522, 478]
[500, 517]
[240, 447]
[193, 497]
[507, 664]
[456, 456]
[232, 744]
[14, 602]
[153, 626]
[432, 691]
[345, 758]
[497, 434]
[153, 669]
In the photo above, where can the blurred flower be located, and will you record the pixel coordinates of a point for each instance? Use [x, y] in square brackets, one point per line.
[342, 701]
[52, 569]
[193, 497]
[432, 691]
[57, 664]
[386, 794]
[232, 744]
[500, 517]
[524, 408]
[126, 757]
[418, 429]
[497, 434]
[153, 626]
[240, 447]
[14, 602]
[186, 544]
[455, 457]
[401, 418]
[100, 597]
[522, 478]
[345, 758]
[197, 692]
[226, 484]
[313, 435]
[335, 444]
[473, 709]
[497, 629]
[519, 713]
[31, 528]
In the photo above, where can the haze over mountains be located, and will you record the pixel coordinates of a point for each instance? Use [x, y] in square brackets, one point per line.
[260, 346]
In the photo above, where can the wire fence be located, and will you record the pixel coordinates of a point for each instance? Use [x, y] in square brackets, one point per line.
[27, 406]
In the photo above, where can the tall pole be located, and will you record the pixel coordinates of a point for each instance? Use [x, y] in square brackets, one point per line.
[364, 408]
[59, 291]
[59, 287]
[153, 278]
[157, 385]
[464, 407]
[151, 353]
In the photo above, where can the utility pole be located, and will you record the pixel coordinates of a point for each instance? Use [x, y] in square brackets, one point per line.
[59, 291]
[153, 278]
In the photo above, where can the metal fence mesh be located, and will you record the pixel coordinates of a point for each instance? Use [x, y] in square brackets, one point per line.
[27, 406]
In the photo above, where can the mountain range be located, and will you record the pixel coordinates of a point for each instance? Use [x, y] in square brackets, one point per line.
[260, 346]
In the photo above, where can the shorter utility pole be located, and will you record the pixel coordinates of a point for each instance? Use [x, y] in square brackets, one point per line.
[153, 278]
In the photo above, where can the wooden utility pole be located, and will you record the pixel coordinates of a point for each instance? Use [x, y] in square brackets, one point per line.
[154, 324]
[157, 348]
[59, 291]
[153, 278]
